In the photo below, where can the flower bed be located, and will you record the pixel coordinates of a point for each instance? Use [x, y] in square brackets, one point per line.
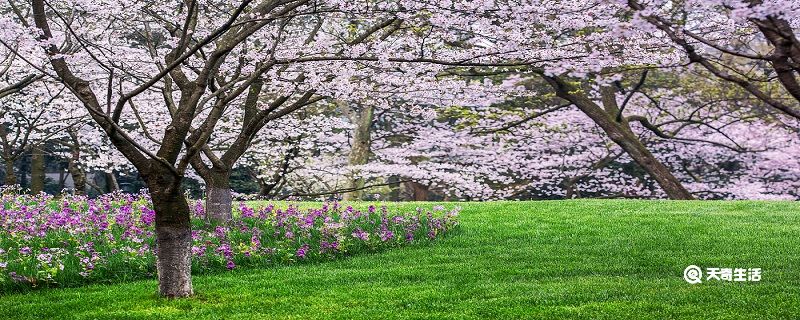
[70, 241]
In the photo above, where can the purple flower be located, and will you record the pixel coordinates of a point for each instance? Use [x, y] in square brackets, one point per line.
[220, 231]
[230, 265]
[25, 251]
[255, 240]
[198, 251]
[199, 210]
[432, 234]
[246, 211]
[361, 234]
[263, 213]
[387, 235]
[148, 216]
[302, 251]
[225, 250]
[326, 246]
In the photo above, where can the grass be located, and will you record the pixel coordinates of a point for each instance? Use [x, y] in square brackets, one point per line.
[588, 259]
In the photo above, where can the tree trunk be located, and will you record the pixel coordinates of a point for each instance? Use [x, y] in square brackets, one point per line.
[266, 189]
[173, 241]
[24, 166]
[111, 182]
[219, 198]
[173, 233]
[263, 188]
[359, 153]
[37, 170]
[420, 192]
[74, 164]
[11, 176]
[78, 177]
[657, 170]
[62, 178]
[622, 135]
[416, 191]
[570, 190]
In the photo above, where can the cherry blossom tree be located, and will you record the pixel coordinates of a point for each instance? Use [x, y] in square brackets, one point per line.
[203, 62]
[570, 45]
[290, 156]
[192, 70]
[31, 117]
[702, 135]
[750, 43]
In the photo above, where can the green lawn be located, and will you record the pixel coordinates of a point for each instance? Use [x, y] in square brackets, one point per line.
[593, 259]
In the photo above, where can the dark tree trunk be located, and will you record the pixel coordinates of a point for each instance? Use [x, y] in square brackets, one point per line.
[267, 189]
[420, 192]
[219, 198]
[37, 170]
[173, 235]
[74, 164]
[787, 51]
[657, 170]
[173, 241]
[11, 176]
[62, 179]
[111, 182]
[570, 190]
[24, 167]
[416, 191]
[621, 134]
[78, 177]
[263, 188]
